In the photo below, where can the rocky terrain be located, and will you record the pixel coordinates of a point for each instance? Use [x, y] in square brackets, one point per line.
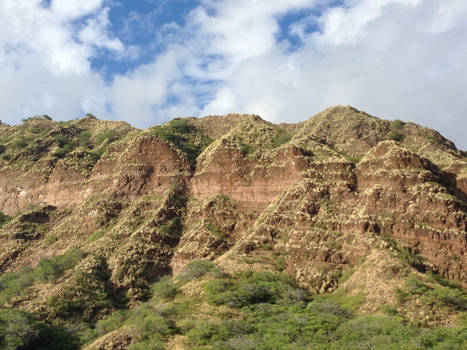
[99, 221]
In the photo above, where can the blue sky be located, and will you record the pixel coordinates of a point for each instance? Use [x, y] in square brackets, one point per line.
[147, 61]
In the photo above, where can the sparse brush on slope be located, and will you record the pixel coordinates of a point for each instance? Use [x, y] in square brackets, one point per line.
[231, 232]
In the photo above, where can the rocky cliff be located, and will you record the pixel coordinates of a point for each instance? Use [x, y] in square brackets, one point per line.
[312, 200]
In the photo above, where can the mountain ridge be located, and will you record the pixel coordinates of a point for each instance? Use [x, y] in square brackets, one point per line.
[343, 193]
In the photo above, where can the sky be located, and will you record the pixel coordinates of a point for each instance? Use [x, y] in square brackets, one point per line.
[148, 61]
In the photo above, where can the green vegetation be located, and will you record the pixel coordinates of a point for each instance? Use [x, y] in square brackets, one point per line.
[97, 234]
[395, 132]
[216, 231]
[20, 330]
[108, 136]
[355, 160]
[65, 145]
[250, 288]
[184, 136]
[246, 148]
[84, 139]
[281, 137]
[433, 139]
[433, 294]
[39, 137]
[4, 219]
[14, 284]
[414, 260]
[86, 295]
[268, 311]
[197, 269]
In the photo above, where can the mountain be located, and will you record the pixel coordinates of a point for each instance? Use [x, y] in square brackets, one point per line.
[230, 232]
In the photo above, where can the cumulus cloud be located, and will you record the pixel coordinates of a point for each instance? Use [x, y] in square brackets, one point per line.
[393, 58]
[45, 57]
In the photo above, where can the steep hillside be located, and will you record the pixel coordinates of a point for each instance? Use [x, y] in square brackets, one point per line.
[230, 232]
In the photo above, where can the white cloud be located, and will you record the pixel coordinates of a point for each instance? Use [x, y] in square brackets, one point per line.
[45, 68]
[393, 58]
[95, 33]
[381, 56]
[72, 9]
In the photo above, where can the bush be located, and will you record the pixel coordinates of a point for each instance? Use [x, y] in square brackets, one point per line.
[19, 330]
[48, 270]
[108, 136]
[397, 124]
[63, 151]
[396, 136]
[181, 134]
[20, 143]
[4, 219]
[83, 138]
[395, 132]
[197, 269]
[202, 333]
[280, 138]
[112, 322]
[65, 146]
[245, 147]
[62, 140]
[164, 289]
[252, 288]
[97, 234]
[375, 332]
[86, 295]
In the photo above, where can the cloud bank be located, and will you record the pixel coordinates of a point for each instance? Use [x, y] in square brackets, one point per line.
[283, 60]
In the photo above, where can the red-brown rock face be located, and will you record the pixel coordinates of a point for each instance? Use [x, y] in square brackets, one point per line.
[252, 183]
[309, 198]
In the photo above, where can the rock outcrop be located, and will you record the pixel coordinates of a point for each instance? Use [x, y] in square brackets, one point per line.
[309, 199]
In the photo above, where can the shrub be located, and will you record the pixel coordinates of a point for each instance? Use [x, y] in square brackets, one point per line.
[97, 234]
[375, 332]
[19, 330]
[86, 294]
[111, 322]
[415, 285]
[48, 270]
[108, 136]
[280, 138]
[35, 149]
[164, 289]
[181, 134]
[62, 140]
[202, 333]
[65, 146]
[63, 151]
[245, 147]
[83, 138]
[20, 143]
[2, 149]
[251, 288]
[197, 269]
[396, 136]
[395, 132]
[4, 219]
[397, 124]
